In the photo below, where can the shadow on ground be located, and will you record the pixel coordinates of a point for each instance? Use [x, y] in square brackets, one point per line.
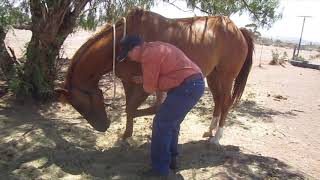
[33, 146]
[247, 109]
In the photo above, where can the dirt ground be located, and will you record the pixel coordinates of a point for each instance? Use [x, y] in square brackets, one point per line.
[273, 134]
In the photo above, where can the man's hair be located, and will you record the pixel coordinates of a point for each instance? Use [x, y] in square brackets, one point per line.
[129, 42]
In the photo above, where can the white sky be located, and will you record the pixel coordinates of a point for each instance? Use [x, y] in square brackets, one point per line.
[288, 27]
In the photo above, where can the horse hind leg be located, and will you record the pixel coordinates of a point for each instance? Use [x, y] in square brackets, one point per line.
[226, 105]
[215, 89]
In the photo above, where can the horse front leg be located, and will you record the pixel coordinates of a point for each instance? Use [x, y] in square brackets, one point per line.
[135, 96]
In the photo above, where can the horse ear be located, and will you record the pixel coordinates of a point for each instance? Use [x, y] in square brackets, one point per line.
[62, 95]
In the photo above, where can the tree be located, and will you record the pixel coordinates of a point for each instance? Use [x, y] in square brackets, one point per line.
[51, 23]
[53, 20]
[9, 15]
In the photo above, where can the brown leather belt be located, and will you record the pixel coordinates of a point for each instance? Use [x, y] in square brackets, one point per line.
[193, 77]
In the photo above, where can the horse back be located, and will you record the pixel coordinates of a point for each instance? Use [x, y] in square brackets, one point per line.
[211, 41]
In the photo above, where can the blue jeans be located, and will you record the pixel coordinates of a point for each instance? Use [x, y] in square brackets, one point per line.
[166, 124]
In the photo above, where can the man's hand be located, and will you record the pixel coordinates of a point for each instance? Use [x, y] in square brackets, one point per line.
[137, 79]
[160, 97]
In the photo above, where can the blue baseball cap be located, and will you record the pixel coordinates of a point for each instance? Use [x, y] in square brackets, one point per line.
[127, 44]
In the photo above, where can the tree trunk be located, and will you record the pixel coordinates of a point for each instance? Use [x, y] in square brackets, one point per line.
[51, 24]
[40, 70]
[6, 63]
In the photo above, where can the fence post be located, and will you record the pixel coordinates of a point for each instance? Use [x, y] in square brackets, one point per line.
[294, 52]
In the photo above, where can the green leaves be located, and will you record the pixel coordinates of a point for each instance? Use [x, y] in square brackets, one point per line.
[98, 12]
[262, 12]
[13, 13]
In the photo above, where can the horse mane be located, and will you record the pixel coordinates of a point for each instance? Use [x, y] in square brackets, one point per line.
[106, 30]
[136, 11]
[75, 59]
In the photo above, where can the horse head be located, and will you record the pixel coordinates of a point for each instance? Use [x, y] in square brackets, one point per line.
[89, 103]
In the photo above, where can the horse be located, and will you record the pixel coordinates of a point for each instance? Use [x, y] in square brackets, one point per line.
[221, 50]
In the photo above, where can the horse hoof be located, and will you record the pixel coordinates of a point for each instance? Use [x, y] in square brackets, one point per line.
[207, 134]
[122, 143]
[214, 141]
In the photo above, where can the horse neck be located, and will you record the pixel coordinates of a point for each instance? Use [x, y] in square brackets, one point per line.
[95, 58]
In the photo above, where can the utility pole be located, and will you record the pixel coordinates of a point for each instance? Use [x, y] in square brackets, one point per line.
[304, 20]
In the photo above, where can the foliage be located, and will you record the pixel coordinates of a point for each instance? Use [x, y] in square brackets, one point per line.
[12, 13]
[317, 56]
[299, 58]
[262, 12]
[19, 85]
[276, 59]
[97, 12]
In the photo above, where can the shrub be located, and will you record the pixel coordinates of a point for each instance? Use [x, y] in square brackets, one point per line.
[317, 56]
[299, 58]
[276, 59]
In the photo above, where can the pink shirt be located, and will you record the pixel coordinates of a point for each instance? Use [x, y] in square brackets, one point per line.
[164, 66]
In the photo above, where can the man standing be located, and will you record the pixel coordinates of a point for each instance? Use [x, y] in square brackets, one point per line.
[165, 68]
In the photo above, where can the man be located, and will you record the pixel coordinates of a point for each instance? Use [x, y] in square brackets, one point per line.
[165, 68]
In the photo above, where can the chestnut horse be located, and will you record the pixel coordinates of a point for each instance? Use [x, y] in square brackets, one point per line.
[214, 43]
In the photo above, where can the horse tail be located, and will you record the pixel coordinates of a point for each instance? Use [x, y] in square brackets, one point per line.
[242, 77]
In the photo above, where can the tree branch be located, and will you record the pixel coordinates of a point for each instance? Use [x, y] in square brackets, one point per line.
[79, 7]
[22, 26]
[13, 56]
[37, 9]
[38, 13]
[94, 6]
[70, 18]
[250, 10]
[196, 7]
[172, 3]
